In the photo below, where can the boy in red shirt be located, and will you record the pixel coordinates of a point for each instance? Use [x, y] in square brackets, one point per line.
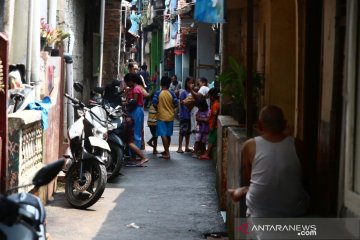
[214, 112]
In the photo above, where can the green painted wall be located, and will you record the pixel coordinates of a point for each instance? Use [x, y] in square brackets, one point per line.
[156, 51]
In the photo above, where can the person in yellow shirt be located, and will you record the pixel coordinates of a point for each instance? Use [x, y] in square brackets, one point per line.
[152, 119]
[165, 101]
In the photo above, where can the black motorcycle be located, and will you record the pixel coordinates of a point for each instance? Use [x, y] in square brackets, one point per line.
[116, 156]
[85, 170]
[22, 215]
[115, 114]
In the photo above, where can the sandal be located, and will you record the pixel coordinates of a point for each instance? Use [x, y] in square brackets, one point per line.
[188, 150]
[142, 162]
[165, 156]
[180, 151]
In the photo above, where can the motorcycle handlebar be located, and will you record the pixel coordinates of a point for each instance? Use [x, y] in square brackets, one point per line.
[82, 105]
[74, 100]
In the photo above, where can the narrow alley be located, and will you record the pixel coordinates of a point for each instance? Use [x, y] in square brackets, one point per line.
[270, 87]
[168, 199]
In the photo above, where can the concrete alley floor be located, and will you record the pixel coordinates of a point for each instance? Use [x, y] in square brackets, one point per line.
[168, 199]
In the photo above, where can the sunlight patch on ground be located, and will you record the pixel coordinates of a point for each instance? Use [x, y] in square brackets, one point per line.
[90, 220]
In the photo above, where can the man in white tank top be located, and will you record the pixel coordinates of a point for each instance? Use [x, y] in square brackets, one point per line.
[271, 171]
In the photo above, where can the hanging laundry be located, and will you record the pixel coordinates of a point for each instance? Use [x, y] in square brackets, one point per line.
[173, 6]
[166, 31]
[174, 28]
[135, 21]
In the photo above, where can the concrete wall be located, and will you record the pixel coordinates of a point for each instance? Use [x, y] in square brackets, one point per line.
[71, 16]
[185, 65]
[8, 19]
[234, 32]
[53, 135]
[278, 31]
[25, 147]
[224, 122]
[18, 49]
[206, 39]
[235, 139]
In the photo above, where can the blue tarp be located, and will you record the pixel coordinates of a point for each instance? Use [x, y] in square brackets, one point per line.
[209, 11]
[44, 107]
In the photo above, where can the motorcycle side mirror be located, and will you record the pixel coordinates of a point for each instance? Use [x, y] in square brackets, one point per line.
[78, 87]
[47, 173]
[99, 90]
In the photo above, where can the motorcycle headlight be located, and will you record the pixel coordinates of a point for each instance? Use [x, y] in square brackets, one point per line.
[100, 132]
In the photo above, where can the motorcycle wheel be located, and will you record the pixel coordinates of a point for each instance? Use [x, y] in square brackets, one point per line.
[85, 194]
[115, 161]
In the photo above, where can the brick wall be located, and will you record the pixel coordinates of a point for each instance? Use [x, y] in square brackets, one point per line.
[111, 40]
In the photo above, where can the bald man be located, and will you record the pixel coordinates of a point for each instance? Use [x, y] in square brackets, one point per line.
[271, 171]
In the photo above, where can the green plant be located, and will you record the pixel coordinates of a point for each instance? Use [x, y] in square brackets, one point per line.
[232, 82]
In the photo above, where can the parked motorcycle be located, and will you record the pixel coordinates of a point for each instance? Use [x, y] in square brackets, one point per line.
[22, 215]
[114, 113]
[86, 175]
[115, 159]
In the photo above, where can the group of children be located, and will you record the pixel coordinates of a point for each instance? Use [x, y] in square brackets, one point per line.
[205, 131]
[206, 125]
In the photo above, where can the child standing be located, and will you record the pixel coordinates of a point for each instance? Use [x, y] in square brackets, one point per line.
[202, 128]
[152, 125]
[214, 112]
[185, 122]
[193, 112]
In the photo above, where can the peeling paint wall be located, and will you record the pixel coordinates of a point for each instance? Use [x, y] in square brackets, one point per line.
[71, 17]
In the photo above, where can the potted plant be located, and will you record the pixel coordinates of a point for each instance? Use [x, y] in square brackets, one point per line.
[232, 82]
[51, 38]
[58, 40]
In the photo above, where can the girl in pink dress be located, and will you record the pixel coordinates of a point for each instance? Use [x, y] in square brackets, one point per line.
[202, 128]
